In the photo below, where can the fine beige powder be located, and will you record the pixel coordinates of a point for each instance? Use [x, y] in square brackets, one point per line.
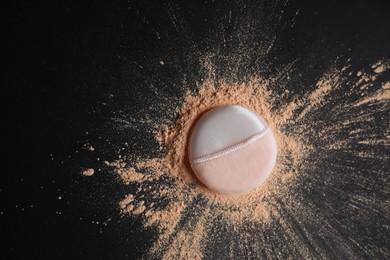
[192, 217]
[234, 210]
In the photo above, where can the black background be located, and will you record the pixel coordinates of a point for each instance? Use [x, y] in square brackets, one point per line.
[64, 59]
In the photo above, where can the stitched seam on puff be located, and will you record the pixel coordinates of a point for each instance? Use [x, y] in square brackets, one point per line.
[231, 149]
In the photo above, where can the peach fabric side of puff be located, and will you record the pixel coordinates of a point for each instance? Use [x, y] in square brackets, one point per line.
[241, 170]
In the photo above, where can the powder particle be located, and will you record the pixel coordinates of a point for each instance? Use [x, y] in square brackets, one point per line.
[386, 85]
[106, 163]
[380, 67]
[141, 208]
[88, 172]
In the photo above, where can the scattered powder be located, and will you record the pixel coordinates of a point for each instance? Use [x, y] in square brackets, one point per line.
[141, 208]
[182, 246]
[234, 210]
[382, 95]
[380, 67]
[130, 175]
[314, 98]
[310, 130]
[89, 147]
[88, 172]
[126, 204]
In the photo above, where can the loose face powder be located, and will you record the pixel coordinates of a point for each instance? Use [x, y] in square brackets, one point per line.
[299, 204]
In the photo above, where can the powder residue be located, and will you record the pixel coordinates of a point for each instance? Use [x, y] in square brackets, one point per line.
[88, 172]
[310, 131]
[381, 95]
[380, 67]
[130, 175]
[141, 208]
[185, 243]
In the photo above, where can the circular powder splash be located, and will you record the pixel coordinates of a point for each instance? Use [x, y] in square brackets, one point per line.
[298, 204]
[185, 192]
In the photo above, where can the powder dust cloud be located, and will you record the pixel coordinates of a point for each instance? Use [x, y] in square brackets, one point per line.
[330, 180]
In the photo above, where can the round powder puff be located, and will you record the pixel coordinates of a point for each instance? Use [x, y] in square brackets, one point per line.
[232, 150]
